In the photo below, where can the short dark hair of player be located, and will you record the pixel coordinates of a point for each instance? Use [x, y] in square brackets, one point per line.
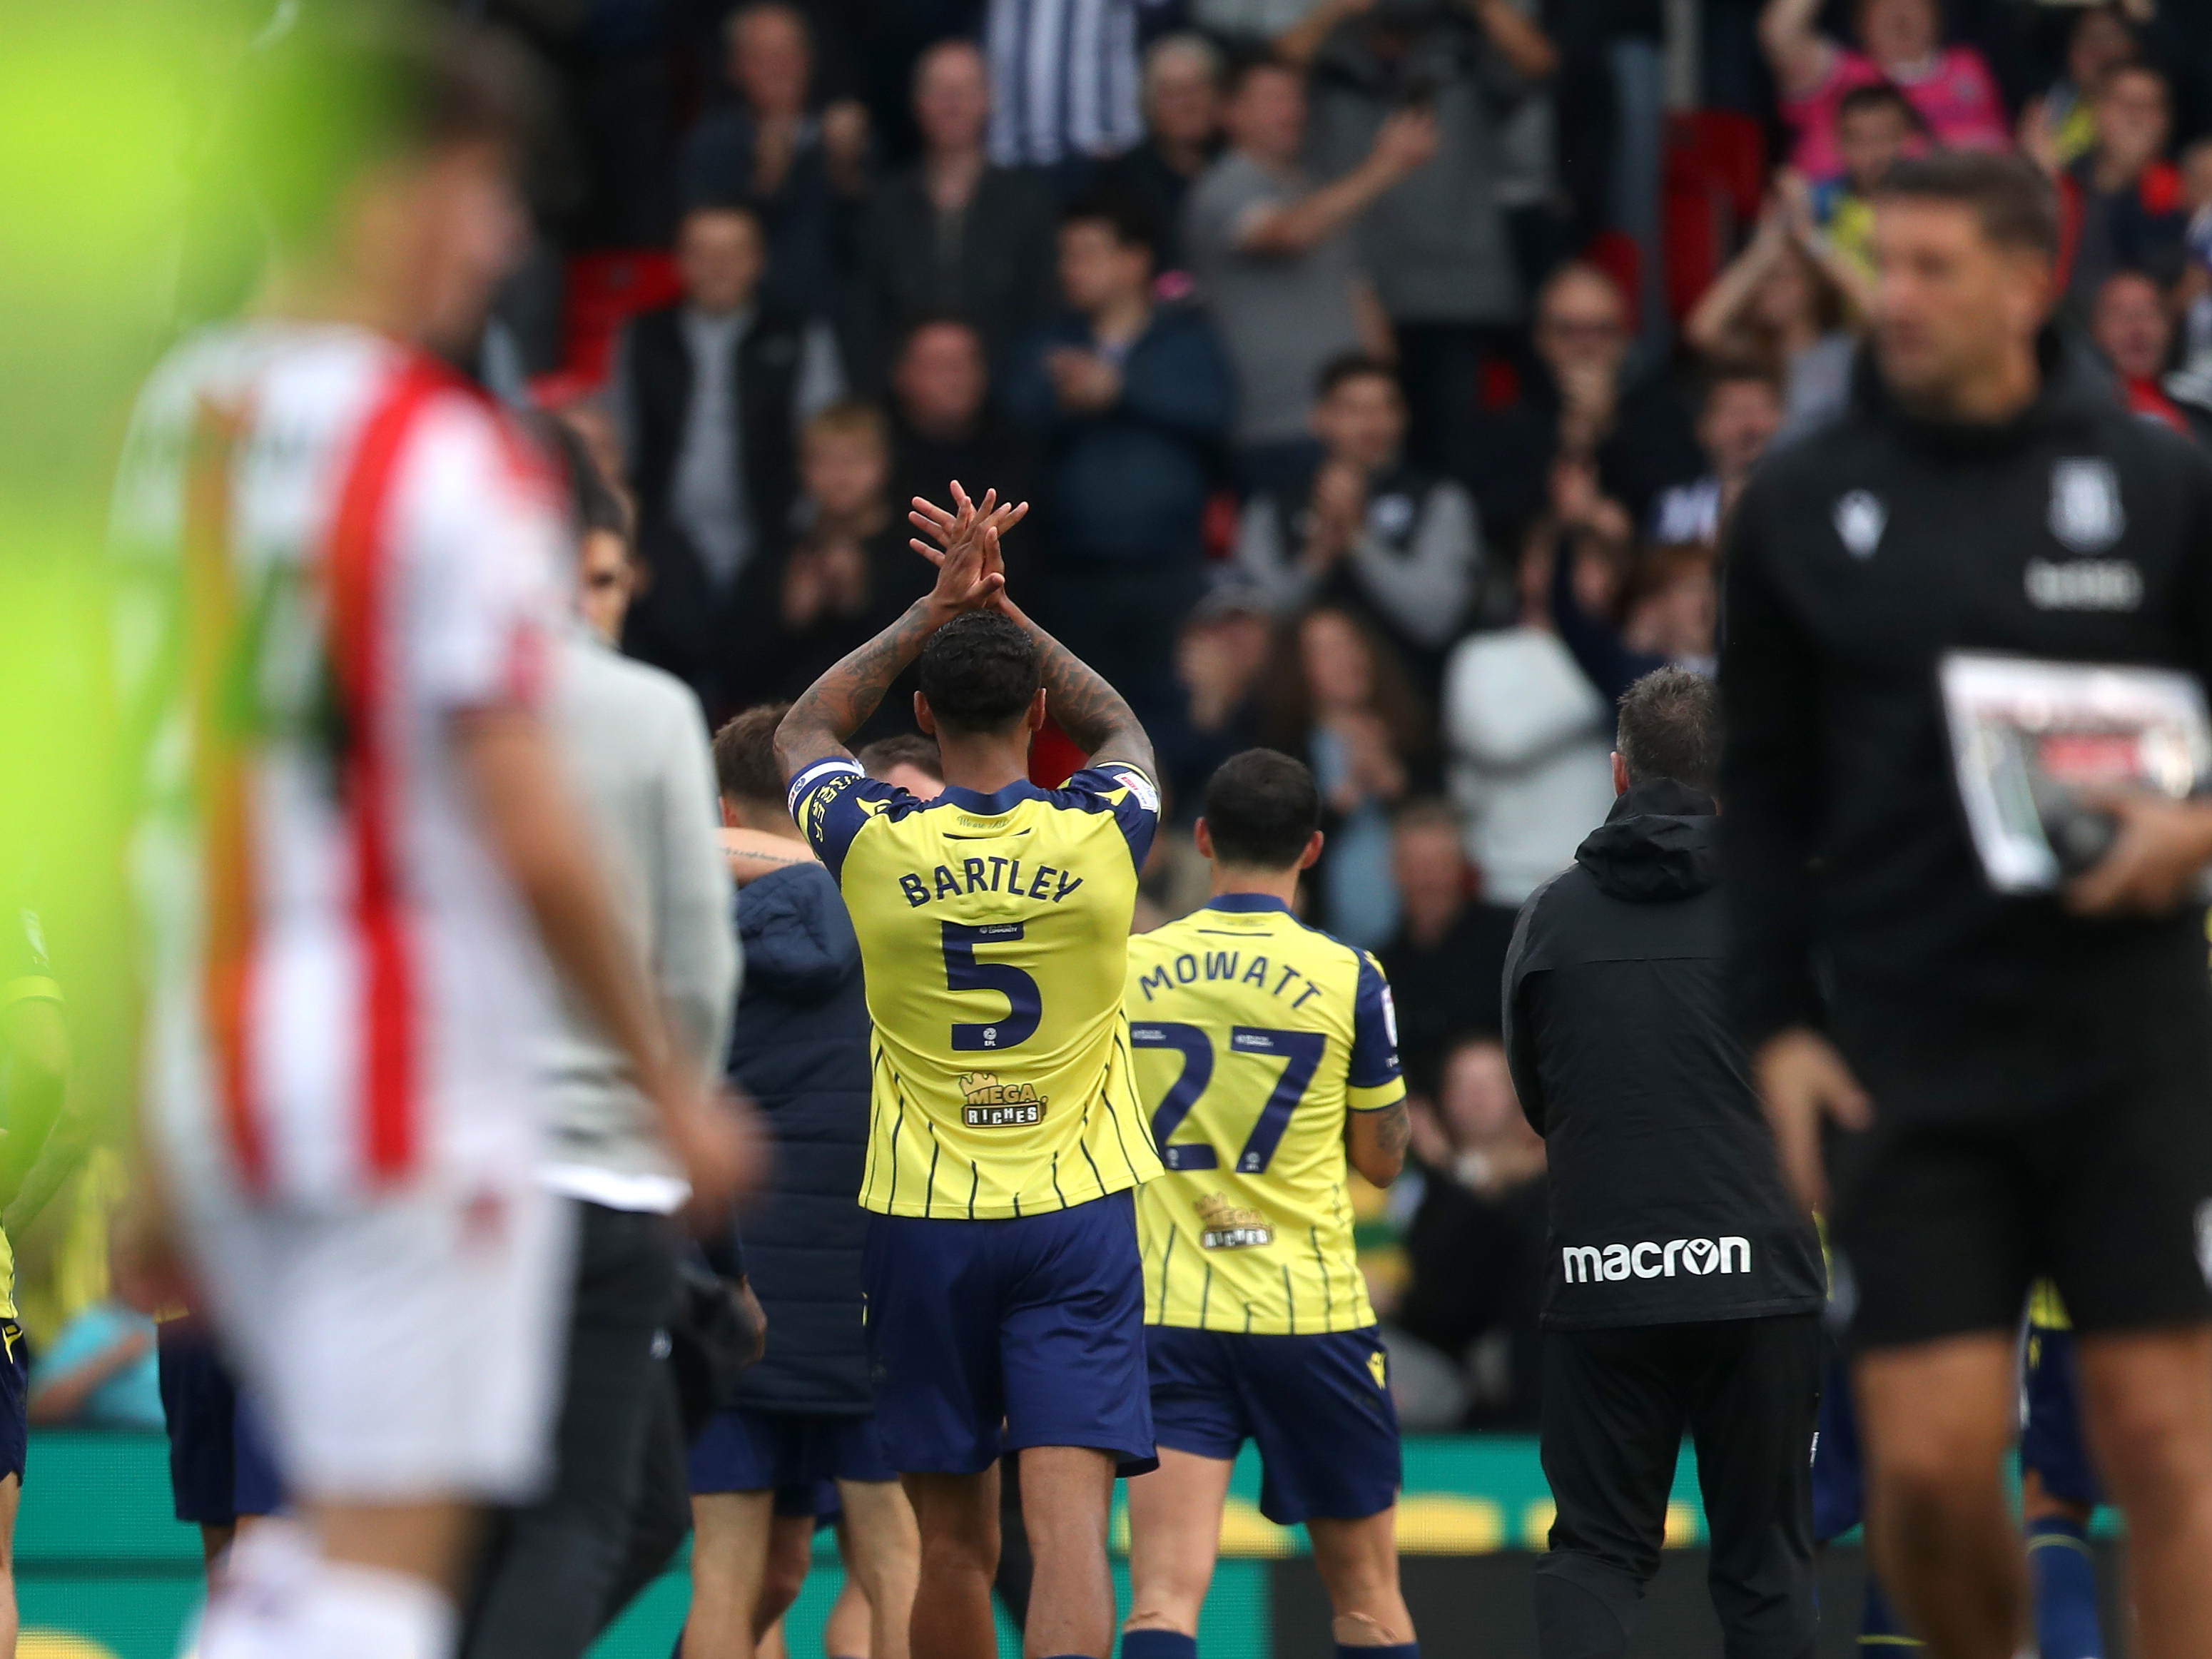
[906, 748]
[1670, 728]
[1261, 808]
[344, 83]
[744, 755]
[1881, 94]
[1352, 365]
[1128, 219]
[2010, 196]
[979, 671]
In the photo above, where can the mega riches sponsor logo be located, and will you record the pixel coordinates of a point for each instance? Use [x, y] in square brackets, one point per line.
[995, 1105]
[1227, 1226]
[1586, 1264]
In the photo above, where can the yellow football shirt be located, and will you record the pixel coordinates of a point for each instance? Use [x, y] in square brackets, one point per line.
[995, 935]
[1255, 1036]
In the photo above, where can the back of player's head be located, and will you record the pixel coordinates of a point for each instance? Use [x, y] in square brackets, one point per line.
[1261, 808]
[745, 767]
[2012, 201]
[1670, 728]
[979, 673]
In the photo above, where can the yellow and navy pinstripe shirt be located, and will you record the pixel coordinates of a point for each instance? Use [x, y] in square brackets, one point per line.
[994, 932]
[1255, 1036]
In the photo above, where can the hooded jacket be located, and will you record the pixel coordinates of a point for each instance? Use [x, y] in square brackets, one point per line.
[2074, 531]
[800, 1048]
[1668, 1204]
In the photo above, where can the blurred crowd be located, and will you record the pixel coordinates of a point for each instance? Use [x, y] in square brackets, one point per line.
[1383, 373]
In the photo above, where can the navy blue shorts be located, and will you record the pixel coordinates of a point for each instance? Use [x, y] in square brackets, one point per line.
[220, 1466]
[14, 1401]
[2051, 1442]
[1838, 1476]
[1035, 1323]
[1318, 1406]
[795, 1455]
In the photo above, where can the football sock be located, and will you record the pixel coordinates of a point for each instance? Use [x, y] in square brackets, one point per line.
[1157, 1644]
[2065, 1575]
[1881, 1630]
[353, 1612]
[1394, 1650]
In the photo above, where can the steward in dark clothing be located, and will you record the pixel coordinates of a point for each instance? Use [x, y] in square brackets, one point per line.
[1684, 1284]
[800, 1048]
[990, 265]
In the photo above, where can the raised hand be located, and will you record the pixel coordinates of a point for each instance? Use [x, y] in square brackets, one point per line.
[979, 523]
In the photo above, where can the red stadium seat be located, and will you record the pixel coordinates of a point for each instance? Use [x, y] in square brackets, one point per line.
[606, 289]
[1716, 179]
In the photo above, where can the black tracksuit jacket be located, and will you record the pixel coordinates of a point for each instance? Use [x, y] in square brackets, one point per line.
[1667, 1205]
[2074, 531]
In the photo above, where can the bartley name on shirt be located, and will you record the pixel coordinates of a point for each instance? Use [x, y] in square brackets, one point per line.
[995, 874]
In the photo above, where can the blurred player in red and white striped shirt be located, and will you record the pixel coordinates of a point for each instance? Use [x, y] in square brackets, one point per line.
[357, 858]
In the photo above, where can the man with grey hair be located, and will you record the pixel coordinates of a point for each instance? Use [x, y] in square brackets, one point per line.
[1183, 134]
[1685, 1289]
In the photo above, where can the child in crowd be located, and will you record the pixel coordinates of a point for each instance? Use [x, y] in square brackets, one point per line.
[1874, 125]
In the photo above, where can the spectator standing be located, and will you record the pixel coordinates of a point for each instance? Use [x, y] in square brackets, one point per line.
[1221, 658]
[1275, 262]
[1183, 132]
[710, 393]
[1345, 706]
[1065, 74]
[1875, 125]
[798, 171]
[1741, 413]
[1685, 1286]
[943, 425]
[2057, 127]
[1435, 243]
[1902, 40]
[1525, 742]
[2130, 327]
[1367, 528]
[1579, 400]
[635, 745]
[1445, 962]
[1129, 400]
[805, 1414]
[1464, 1344]
[1784, 302]
[952, 236]
[2120, 202]
[849, 573]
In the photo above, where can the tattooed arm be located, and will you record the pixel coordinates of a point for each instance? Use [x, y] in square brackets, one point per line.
[1377, 1141]
[1095, 717]
[969, 576]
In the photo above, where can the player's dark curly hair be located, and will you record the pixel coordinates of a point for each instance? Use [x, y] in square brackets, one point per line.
[1262, 808]
[979, 673]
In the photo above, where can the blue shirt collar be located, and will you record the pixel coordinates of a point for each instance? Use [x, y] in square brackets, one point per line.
[991, 805]
[1248, 903]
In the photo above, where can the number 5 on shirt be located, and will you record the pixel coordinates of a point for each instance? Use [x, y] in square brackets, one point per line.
[1025, 1005]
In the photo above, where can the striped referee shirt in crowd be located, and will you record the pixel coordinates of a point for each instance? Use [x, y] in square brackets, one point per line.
[1064, 80]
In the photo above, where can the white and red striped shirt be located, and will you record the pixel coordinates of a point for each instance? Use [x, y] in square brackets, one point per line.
[331, 546]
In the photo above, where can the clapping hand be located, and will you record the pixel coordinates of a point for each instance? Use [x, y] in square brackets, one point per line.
[963, 545]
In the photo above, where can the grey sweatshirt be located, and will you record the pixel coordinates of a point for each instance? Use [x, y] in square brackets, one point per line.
[639, 758]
